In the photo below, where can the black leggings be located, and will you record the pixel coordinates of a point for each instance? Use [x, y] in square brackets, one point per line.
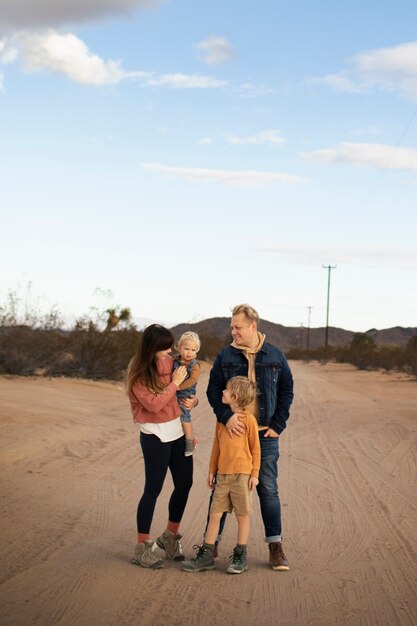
[158, 457]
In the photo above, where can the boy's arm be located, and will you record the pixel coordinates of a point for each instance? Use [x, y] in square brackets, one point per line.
[215, 453]
[192, 378]
[254, 446]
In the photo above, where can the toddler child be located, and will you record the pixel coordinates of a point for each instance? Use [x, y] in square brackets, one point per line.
[188, 345]
[236, 461]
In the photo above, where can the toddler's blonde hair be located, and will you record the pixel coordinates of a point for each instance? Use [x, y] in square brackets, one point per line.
[189, 335]
[243, 388]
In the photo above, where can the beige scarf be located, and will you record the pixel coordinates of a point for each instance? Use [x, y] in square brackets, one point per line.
[250, 354]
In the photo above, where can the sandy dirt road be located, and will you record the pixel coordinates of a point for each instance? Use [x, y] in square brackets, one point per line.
[71, 472]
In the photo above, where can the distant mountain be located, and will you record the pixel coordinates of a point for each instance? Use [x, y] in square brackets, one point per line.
[286, 337]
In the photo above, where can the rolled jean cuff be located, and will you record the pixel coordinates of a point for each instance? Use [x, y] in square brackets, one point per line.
[273, 539]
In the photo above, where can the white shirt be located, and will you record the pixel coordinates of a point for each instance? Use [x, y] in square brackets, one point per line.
[168, 431]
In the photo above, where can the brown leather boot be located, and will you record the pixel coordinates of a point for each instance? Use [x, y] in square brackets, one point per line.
[277, 557]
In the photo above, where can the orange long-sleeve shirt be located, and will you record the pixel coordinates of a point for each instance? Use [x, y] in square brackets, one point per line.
[240, 455]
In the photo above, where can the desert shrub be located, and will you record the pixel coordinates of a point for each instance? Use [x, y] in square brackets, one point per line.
[362, 350]
[211, 346]
[364, 353]
[25, 350]
[410, 357]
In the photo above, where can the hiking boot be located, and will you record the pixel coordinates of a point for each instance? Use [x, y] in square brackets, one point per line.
[190, 445]
[238, 561]
[145, 555]
[277, 557]
[203, 560]
[215, 551]
[172, 545]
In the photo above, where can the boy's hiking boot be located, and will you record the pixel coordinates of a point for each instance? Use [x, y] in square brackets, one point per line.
[277, 557]
[190, 445]
[145, 555]
[203, 560]
[238, 561]
[216, 551]
[172, 545]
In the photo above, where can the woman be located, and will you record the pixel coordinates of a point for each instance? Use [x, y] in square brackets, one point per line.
[152, 387]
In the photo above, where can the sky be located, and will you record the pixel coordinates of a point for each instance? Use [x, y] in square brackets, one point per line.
[183, 157]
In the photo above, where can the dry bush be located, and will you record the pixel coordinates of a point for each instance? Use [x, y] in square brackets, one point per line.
[211, 346]
[365, 354]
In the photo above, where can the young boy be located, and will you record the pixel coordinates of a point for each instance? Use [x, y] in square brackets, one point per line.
[236, 462]
[188, 345]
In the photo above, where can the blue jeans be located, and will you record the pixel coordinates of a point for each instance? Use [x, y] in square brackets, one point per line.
[267, 490]
[185, 393]
[268, 487]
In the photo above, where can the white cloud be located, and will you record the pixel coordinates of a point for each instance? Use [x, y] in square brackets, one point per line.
[367, 155]
[404, 258]
[215, 50]
[391, 69]
[338, 82]
[400, 59]
[8, 52]
[182, 81]
[239, 178]
[68, 55]
[270, 137]
[27, 14]
[205, 141]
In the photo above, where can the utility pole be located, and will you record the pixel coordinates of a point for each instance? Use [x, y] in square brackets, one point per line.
[300, 337]
[329, 268]
[308, 327]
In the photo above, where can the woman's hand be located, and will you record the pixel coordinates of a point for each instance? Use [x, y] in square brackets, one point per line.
[253, 482]
[189, 403]
[211, 480]
[179, 375]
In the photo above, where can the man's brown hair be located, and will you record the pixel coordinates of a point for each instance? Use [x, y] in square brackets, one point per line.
[248, 311]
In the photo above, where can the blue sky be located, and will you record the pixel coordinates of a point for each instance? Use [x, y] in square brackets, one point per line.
[189, 156]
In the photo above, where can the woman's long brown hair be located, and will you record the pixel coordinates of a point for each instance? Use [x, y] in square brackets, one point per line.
[143, 367]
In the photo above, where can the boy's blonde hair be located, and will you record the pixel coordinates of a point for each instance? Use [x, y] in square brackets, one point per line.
[243, 388]
[189, 335]
[248, 311]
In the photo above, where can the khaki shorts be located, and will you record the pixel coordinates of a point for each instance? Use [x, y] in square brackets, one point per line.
[232, 492]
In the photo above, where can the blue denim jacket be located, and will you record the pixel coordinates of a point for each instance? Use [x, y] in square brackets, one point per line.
[273, 380]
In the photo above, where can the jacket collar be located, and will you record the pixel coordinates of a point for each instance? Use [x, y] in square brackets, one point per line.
[238, 351]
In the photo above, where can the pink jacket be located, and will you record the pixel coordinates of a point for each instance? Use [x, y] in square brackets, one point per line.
[148, 406]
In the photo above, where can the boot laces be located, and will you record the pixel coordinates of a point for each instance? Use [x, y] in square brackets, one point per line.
[201, 552]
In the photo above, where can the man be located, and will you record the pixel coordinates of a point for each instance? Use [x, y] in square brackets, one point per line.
[250, 355]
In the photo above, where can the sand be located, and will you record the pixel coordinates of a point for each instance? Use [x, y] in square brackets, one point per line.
[71, 472]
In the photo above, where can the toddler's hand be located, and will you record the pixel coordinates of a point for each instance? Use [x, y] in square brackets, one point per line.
[253, 481]
[179, 375]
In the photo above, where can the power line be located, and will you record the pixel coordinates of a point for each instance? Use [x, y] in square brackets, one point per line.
[381, 175]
